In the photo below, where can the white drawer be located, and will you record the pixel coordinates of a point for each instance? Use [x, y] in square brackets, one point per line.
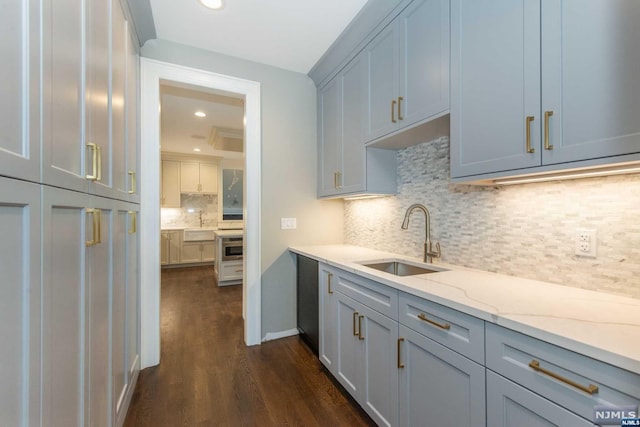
[230, 271]
[451, 328]
[511, 354]
[377, 296]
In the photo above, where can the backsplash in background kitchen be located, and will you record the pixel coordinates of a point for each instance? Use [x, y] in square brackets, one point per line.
[525, 230]
[188, 215]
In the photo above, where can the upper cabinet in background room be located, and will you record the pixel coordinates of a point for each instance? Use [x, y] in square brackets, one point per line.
[198, 177]
[408, 69]
[543, 86]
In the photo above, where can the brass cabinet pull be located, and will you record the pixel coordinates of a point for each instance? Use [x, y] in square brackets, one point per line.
[132, 178]
[400, 99]
[134, 225]
[400, 365]
[446, 326]
[355, 318]
[547, 114]
[99, 177]
[591, 388]
[339, 175]
[393, 111]
[360, 337]
[530, 149]
[335, 180]
[199, 187]
[94, 161]
[96, 232]
[329, 278]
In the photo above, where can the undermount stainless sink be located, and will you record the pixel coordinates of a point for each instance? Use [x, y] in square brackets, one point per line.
[400, 268]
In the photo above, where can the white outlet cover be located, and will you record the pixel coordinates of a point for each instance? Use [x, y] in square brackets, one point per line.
[585, 242]
[288, 223]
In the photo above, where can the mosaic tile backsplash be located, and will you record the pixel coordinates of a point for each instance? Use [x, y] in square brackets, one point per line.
[182, 217]
[523, 230]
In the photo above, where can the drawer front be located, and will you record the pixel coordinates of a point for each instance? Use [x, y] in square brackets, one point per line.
[451, 328]
[377, 296]
[560, 373]
[230, 271]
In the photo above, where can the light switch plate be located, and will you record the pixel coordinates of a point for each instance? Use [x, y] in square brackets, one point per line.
[288, 223]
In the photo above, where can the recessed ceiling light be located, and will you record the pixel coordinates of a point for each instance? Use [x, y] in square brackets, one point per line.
[212, 4]
[197, 150]
[200, 114]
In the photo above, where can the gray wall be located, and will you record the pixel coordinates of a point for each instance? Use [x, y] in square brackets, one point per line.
[289, 170]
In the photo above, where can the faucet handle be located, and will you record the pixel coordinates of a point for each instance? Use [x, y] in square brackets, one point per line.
[437, 252]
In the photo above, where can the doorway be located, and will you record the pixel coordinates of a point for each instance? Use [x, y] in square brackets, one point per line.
[152, 74]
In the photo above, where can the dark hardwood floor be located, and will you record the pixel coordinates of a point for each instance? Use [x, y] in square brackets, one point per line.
[208, 377]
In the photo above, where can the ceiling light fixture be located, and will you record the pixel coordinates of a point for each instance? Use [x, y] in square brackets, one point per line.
[200, 114]
[197, 150]
[213, 4]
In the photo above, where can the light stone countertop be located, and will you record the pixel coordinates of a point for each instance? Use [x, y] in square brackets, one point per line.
[602, 326]
[229, 233]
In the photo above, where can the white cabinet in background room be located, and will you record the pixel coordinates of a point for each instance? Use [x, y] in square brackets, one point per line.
[170, 197]
[408, 69]
[198, 177]
[538, 86]
[197, 252]
[346, 167]
[170, 246]
[20, 89]
[20, 302]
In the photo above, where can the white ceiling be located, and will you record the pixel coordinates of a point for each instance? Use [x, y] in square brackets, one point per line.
[181, 131]
[289, 34]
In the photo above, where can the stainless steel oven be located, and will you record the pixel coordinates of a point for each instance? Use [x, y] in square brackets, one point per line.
[231, 248]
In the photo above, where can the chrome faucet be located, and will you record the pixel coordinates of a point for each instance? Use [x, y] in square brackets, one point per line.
[429, 253]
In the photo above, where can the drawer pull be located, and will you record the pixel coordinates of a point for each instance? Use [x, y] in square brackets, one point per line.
[329, 277]
[591, 388]
[360, 337]
[355, 319]
[446, 326]
[400, 364]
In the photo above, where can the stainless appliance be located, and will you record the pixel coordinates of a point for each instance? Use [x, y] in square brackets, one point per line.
[231, 248]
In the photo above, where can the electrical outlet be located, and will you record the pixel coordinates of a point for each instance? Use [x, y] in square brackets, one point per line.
[585, 242]
[288, 223]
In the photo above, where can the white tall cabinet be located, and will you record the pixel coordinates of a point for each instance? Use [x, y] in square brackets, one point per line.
[69, 308]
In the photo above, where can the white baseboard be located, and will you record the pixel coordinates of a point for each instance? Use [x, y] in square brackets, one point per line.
[282, 334]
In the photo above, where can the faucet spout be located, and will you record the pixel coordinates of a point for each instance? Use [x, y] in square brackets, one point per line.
[429, 253]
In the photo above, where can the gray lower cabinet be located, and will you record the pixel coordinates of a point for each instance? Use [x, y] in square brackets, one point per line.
[366, 363]
[327, 300]
[438, 386]
[510, 405]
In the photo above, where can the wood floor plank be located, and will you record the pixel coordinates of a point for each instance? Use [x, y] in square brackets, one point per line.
[208, 377]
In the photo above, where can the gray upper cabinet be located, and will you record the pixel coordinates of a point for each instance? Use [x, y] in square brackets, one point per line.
[345, 166]
[20, 90]
[542, 85]
[408, 69]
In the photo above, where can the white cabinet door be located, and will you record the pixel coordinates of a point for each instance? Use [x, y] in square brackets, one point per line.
[64, 143]
[509, 404]
[208, 178]
[132, 325]
[66, 227]
[330, 135]
[20, 89]
[590, 67]
[424, 61]
[495, 75]
[189, 177]
[170, 184]
[164, 247]
[175, 246]
[438, 384]
[20, 316]
[191, 252]
[208, 251]
[379, 336]
[328, 325]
